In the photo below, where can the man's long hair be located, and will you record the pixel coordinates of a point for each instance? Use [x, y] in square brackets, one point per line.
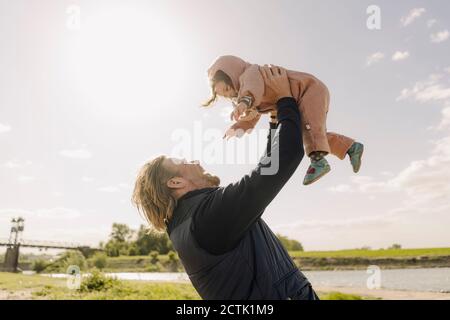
[152, 196]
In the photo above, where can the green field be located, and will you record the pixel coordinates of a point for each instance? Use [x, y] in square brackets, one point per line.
[40, 287]
[348, 253]
[380, 253]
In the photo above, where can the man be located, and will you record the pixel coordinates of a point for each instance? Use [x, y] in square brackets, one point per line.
[227, 250]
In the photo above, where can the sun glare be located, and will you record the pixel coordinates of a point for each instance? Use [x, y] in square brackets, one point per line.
[122, 58]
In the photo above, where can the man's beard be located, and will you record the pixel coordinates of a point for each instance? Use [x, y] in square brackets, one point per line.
[211, 180]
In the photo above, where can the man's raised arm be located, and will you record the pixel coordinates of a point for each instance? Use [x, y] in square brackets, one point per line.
[233, 209]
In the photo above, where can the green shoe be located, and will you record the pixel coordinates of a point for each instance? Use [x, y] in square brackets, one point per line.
[355, 152]
[316, 170]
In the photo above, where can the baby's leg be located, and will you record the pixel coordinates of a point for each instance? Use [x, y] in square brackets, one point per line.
[339, 144]
[313, 110]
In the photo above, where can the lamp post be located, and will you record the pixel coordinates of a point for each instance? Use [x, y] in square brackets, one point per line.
[12, 252]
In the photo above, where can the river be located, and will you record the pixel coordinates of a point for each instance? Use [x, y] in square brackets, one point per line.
[432, 279]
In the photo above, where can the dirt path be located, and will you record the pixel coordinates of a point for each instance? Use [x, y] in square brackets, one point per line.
[388, 294]
[15, 295]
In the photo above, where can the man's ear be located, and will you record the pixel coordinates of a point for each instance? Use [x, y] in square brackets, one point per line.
[176, 183]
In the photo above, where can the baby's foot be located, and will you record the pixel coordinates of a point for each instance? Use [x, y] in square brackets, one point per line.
[316, 170]
[355, 152]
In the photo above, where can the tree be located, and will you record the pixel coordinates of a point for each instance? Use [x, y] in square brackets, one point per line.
[119, 240]
[290, 244]
[121, 232]
[395, 246]
[152, 241]
[68, 258]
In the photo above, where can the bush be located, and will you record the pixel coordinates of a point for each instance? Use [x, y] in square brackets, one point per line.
[154, 257]
[172, 256]
[68, 258]
[157, 267]
[97, 281]
[99, 260]
[39, 265]
[173, 261]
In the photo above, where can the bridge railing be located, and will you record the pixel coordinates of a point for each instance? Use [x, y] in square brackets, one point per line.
[47, 244]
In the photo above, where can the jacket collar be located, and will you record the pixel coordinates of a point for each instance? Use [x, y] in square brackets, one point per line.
[184, 197]
[193, 193]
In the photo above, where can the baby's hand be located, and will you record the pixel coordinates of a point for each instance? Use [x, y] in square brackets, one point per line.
[249, 115]
[238, 111]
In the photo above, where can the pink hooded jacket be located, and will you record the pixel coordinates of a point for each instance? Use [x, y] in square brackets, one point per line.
[311, 94]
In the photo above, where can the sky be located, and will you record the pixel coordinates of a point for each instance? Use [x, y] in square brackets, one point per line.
[91, 90]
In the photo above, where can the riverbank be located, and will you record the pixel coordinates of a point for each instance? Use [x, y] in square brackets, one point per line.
[357, 259]
[385, 294]
[37, 287]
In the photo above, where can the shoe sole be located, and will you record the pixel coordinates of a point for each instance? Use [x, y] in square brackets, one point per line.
[317, 178]
[359, 160]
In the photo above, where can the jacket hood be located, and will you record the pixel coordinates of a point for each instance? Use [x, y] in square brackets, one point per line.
[233, 66]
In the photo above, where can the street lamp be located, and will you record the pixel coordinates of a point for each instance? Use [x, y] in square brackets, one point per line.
[20, 224]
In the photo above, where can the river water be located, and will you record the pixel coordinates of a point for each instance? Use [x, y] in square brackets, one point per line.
[432, 279]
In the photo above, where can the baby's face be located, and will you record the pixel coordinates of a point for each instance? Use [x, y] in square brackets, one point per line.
[224, 90]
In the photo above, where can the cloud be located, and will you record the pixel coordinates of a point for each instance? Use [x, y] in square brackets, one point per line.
[398, 56]
[342, 188]
[412, 16]
[374, 58]
[109, 189]
[440, 36]
[333, 224]
[431, 23]
[87, 179]
[424, 183]
[114, 189]
[45, 213]
[435, 88]
[4, 128]
[76, 153]
[15, 164]
[25, 179]
[445, 122]
[428, 180]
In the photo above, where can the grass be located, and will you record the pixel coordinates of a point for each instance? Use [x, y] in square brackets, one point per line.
[349, 253]
[16, 281]
[125, 290]
[364, 253]
[342, 296]
[55, 289]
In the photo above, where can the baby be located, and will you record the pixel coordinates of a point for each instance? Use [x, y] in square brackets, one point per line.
[236, 79]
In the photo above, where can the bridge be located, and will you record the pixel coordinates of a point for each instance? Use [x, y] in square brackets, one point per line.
[15, 242]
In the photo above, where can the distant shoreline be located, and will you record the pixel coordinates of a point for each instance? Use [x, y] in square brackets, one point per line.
[353, 259]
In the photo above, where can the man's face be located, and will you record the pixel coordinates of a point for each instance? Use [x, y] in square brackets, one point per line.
[192, 172]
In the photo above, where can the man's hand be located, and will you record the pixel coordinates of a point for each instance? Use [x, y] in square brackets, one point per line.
[277, 80]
